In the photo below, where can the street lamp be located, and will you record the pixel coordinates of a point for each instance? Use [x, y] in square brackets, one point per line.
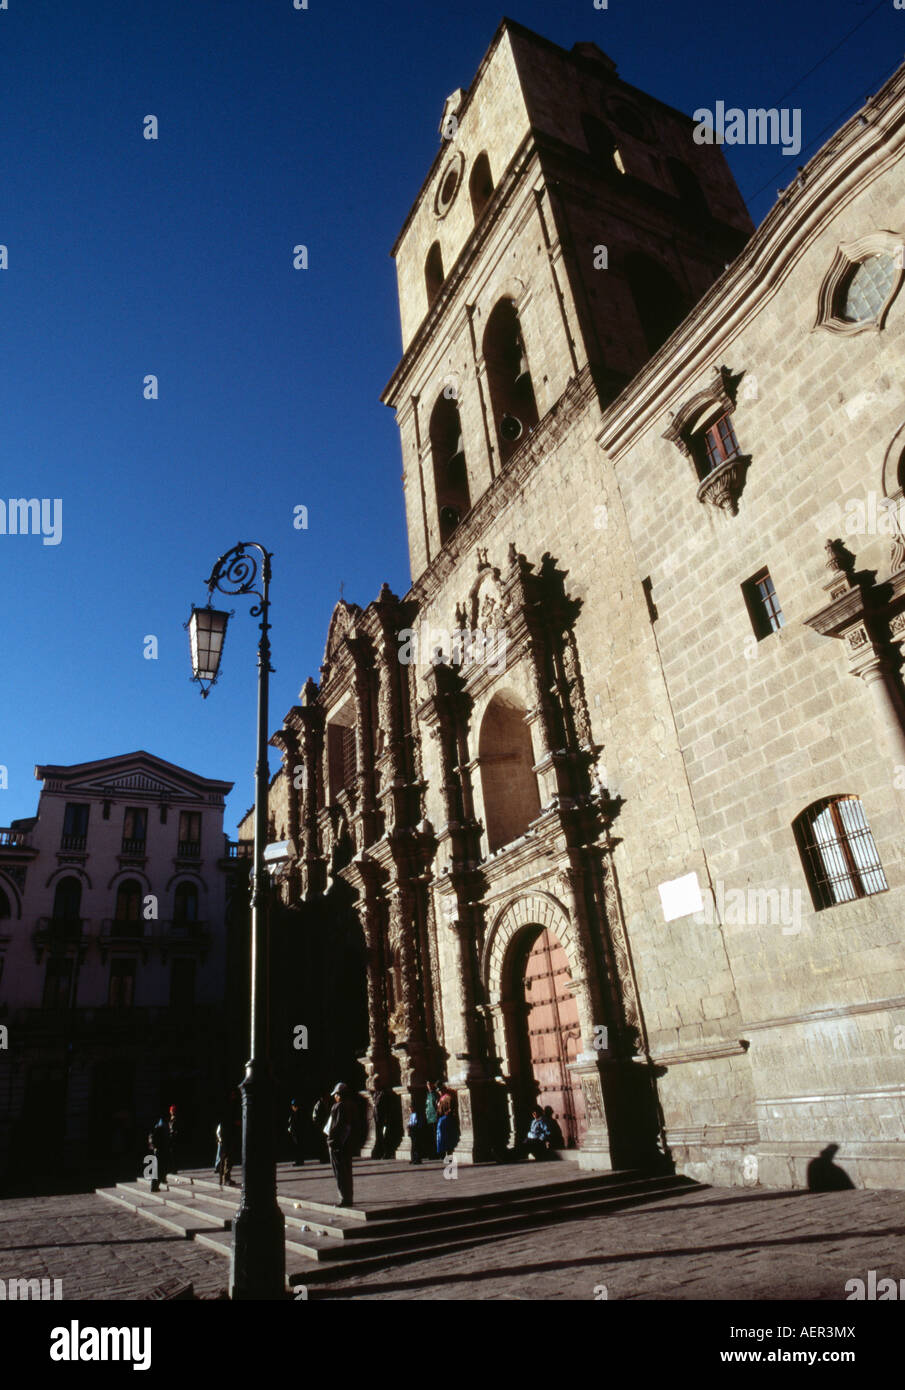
[207, 629]
[258, 1262]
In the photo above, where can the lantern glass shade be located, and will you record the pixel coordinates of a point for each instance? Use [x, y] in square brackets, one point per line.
[207, 629]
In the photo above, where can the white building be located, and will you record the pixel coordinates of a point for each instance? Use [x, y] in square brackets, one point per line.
[113, 960]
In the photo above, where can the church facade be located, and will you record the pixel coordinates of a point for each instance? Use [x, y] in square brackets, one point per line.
[612, 798]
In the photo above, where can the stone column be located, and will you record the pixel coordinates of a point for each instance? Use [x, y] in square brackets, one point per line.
[309, 718]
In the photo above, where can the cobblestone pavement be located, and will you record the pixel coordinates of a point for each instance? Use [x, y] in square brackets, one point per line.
[98, 1250]
[713, 1243]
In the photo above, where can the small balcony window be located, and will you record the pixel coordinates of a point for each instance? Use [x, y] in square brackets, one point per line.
[135, 830]
[716, 444]
[75, 825]
[763, 604]
[189, 834]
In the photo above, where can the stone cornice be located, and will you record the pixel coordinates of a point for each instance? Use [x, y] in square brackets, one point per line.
[704, 1052]
[857, 154]
[818, 1015]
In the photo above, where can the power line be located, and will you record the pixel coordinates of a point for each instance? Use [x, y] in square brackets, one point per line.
[881, 6]
[845, 112]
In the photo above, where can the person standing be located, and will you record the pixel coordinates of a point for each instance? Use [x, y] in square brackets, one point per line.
[339, 1130]
[229, 1135]
[159, 1140]
[173, 1140]
[430, 1117]
[296, 1128]
[319, 1117]
[416, 1130]
[383, 1110]
[447, 1124]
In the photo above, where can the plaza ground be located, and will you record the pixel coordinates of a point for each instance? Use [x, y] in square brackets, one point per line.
[695, 1243]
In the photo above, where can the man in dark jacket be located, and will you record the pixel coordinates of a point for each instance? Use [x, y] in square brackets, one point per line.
[340, 1130]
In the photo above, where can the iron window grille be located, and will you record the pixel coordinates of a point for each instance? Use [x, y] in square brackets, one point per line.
[838, 852]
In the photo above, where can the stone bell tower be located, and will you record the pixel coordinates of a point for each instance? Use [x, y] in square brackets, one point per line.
[568, 220]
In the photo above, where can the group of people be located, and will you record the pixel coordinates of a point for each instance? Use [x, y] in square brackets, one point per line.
[435, 1131]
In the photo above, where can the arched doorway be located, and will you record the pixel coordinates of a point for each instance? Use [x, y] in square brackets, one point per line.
[548, 1033]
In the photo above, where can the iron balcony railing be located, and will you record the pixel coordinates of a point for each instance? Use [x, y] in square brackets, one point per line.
[112, 929]
[189, 849]
[133, 846]
[59, 933]
[119, 929]
[73, 841]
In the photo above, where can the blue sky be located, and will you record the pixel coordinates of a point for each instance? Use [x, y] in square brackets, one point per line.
[173, 257]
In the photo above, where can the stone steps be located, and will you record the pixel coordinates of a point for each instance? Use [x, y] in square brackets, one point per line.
[359, 1241]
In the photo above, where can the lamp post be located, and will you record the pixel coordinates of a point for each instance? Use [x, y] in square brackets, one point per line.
[258, 1261]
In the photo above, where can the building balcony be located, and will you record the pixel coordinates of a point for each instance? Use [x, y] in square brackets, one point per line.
[121, 937]
[10, 838]
[240, 849]
[112, 1023]
[188, 849]
[74, 843]
[60, 936]
[134, 847]
[192, 938]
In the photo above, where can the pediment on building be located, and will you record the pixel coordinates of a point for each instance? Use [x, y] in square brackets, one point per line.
[139, 776]
[342, 624]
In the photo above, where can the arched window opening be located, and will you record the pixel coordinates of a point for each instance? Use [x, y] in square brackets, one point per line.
[450, 469]
[342, 750]
[508, 781]
[128, 901]
[67, 899]
[480, 185]
[601, 144]
[433, 273]
[838, 852]
[5, 909]
[185, 903]
[658, 299]
[688, 188]
[511, 389]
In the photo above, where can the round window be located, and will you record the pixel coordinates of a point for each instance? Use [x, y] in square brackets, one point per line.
[449, 185]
